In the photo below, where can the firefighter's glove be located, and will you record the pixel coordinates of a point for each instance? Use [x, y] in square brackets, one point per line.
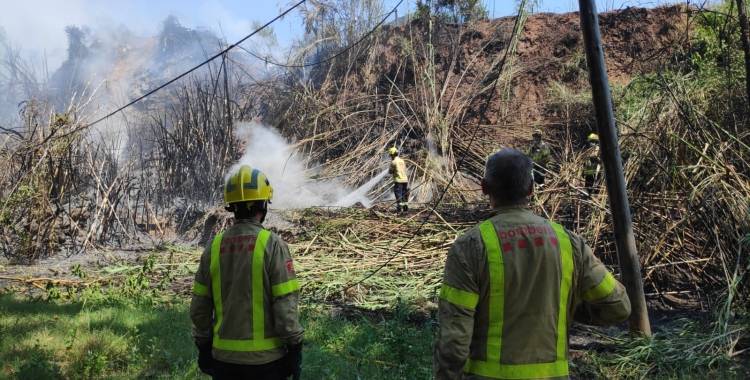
[294, 361]
[205, 358]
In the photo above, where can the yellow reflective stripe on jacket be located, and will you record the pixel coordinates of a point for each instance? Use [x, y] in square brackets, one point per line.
[539, 156]
[566, 259]
[258, 343]
[600, 291]
[247, 345]
[216, 284]
[492, 368]
[259, 323]
[200, 289]
[285, 288]
[497, 291]
[459, 297]
[496, 370]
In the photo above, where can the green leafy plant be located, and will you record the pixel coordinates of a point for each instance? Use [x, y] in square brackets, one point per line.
[38, 366]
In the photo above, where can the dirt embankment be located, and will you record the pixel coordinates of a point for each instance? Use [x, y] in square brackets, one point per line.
[549, 50]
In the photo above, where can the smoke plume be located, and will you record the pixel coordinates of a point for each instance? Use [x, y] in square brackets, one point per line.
[267, 151]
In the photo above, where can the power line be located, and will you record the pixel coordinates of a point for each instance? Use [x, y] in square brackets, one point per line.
[460, 163]
[219, 54]
[337, 54]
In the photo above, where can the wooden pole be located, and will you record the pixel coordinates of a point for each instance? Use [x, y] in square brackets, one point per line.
[745, 37]
[627, 255]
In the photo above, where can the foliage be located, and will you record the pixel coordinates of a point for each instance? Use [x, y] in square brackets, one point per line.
[678, 346]
[123, 340]
[362, 346]
[38, 366]
[686, 157]
[465, 11]
[423, 11]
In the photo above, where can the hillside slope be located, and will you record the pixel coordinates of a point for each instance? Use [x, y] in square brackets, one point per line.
[423, 86]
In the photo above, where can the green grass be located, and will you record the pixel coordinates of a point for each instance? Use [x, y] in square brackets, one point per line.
[116, 338]
[122, 340]
[138, 326]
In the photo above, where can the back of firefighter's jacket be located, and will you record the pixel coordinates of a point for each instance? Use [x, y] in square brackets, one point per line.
[591, 166]
[539, 152]
[398, 170]
[510, 290]
[245, 296]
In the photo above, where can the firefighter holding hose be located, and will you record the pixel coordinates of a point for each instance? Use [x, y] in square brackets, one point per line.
[400, 180]
[246, 294]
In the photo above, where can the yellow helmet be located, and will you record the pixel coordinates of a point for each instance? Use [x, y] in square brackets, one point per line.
[247, 185]
[537, 132]
[594, 136]
[393, 151]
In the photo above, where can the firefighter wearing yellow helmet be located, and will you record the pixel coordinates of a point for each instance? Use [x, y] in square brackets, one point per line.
[246, 294]
[539, 151]
[400, 180]
[592, 165]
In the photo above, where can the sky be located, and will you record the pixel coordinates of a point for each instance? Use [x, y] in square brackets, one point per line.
[37, 26]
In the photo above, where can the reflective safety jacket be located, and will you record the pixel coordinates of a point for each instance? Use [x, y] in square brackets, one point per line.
[510, 290]
[591, 166]
[539, 152]
[398, 170]
[245, 296]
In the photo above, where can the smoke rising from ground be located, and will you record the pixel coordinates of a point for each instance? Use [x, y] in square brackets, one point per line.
[267, 151]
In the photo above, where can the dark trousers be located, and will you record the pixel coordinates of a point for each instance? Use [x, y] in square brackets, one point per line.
[399, 189]
[589, 181]
[538, 174]
[229, 371]
[538, 178]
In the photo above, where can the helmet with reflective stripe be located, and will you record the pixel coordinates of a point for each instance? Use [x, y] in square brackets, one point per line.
[393, 151]
[537, 133]
[247, 185]
[593, 137]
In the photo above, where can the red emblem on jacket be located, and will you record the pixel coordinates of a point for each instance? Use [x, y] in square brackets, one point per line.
[289, 266]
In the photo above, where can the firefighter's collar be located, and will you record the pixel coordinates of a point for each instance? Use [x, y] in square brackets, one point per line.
[248, 221]
[503, 209]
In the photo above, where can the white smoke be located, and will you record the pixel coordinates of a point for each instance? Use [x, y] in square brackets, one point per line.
[269, 152]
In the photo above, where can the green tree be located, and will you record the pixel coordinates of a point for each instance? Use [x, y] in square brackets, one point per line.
[461, 10]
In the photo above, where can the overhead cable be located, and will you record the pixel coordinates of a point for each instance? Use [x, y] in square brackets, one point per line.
[219, 54]
[265, 59]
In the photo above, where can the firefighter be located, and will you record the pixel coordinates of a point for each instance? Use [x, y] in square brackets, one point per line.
[400, 180]
[592, 165]
[512, 285]
[539, 153]
[245, 295]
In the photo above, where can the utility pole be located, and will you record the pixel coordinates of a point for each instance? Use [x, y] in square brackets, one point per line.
[745, 37]
[627, 255]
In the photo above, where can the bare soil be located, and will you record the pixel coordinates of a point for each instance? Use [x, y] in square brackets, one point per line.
[550, 50]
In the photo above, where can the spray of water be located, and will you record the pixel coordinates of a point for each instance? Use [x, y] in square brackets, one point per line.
[269, 152]
[360, 194]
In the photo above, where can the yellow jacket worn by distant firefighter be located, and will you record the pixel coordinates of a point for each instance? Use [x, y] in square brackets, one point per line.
[510, 291]
[398, 170]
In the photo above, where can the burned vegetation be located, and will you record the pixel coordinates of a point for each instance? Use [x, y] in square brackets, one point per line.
[447, 94]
